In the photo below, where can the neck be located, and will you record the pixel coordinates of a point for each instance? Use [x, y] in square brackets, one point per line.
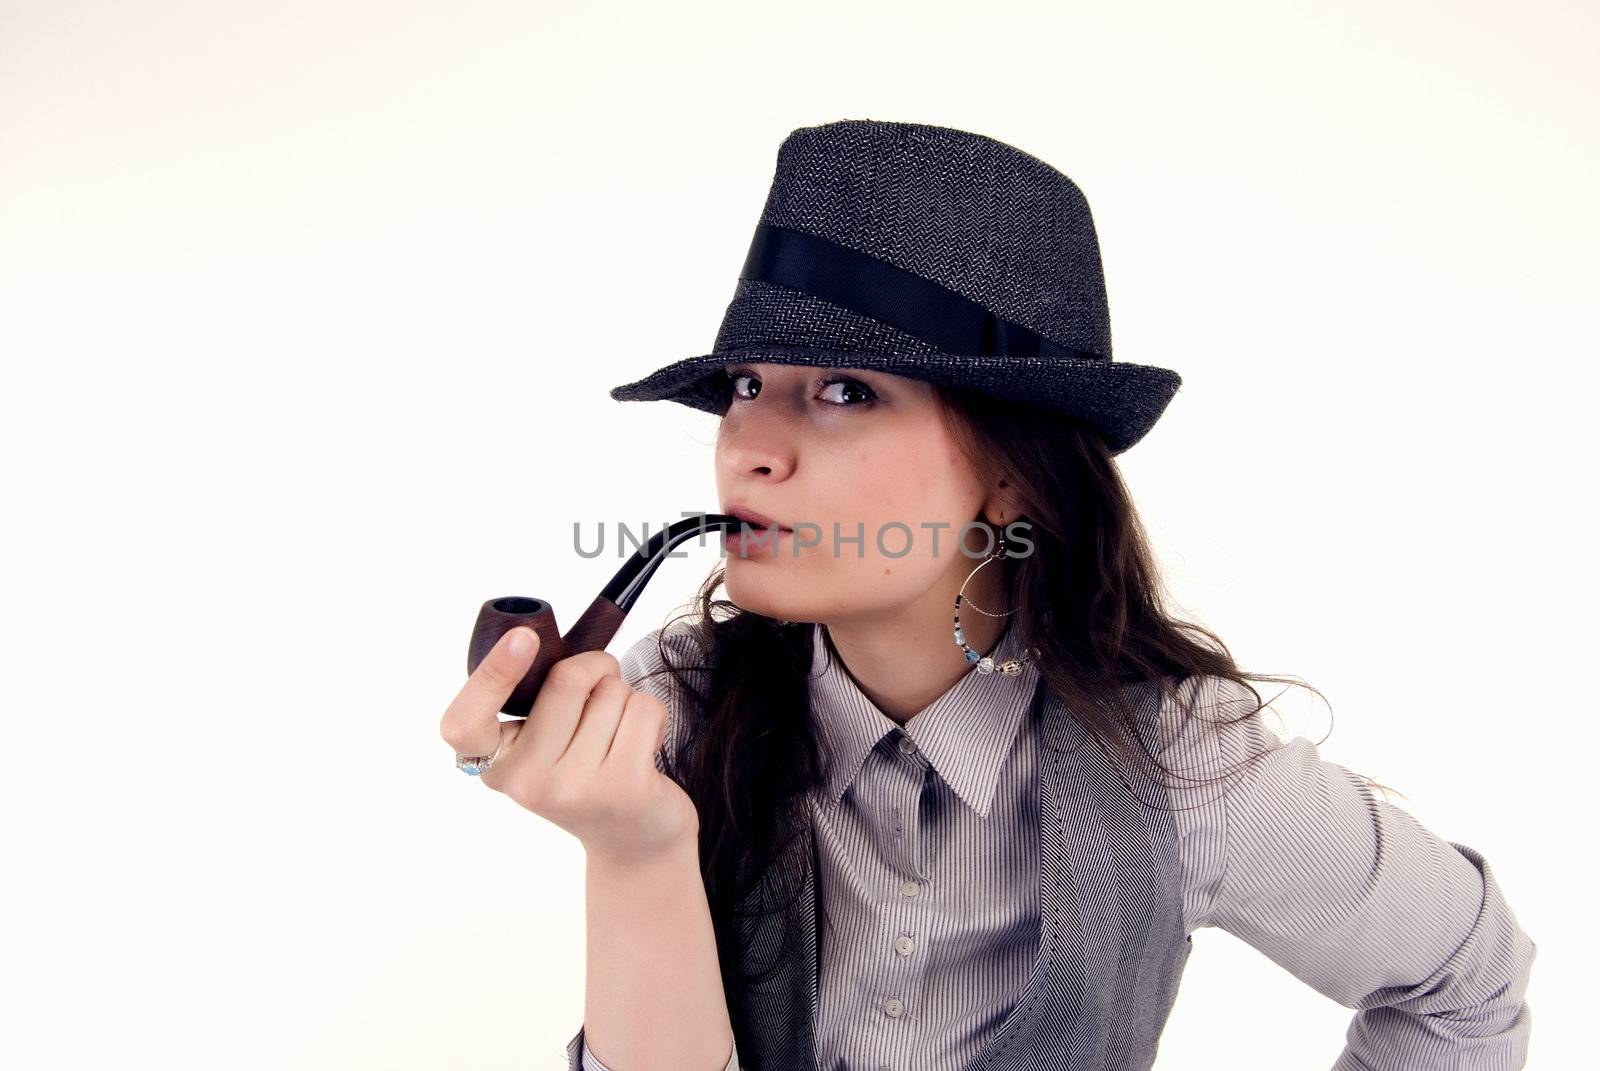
[906, 658]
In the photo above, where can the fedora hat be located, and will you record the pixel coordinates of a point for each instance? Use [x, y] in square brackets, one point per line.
[929, 252]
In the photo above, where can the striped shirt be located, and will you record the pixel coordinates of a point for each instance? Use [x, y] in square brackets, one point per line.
[927, 838]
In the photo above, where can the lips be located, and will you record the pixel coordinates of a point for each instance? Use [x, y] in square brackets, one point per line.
[756, 520]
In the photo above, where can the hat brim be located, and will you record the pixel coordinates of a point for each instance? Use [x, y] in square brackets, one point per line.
[1122, 401]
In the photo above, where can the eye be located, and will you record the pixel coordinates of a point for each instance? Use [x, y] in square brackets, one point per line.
[862, 391]
[846, 392]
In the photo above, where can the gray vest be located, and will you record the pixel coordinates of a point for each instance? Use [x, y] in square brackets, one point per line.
[1111, 942]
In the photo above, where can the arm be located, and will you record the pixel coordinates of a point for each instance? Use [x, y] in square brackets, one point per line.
[1360, 901]
[653, 996]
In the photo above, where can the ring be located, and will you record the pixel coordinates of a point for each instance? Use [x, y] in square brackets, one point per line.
[476, 764]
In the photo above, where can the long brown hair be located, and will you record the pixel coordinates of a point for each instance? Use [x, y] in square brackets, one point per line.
[1089, 596]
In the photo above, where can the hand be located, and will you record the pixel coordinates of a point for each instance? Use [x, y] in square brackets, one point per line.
[584, 758]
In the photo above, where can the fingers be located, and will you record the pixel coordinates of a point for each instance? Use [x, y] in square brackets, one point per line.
[471, 723]
[500, 774]
[602, 715]
[558, 714]
[642, 731]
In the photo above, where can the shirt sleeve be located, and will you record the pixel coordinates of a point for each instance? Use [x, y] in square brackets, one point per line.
[579, 1058]
[1300, 858]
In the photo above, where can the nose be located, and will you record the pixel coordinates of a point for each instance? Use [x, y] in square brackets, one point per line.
[757, 441]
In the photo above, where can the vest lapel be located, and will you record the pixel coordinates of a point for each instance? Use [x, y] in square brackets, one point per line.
[774, 1027]
[1111, 933]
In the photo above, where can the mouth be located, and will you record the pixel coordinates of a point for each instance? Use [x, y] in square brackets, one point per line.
[759, 533]
[754, 544]
[754, 519]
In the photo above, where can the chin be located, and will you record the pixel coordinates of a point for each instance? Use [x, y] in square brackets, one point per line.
[767, 599]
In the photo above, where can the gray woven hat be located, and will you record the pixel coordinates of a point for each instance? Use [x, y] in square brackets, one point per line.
[928, 252]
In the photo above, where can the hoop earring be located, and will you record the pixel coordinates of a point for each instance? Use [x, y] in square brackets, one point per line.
[1011, 667]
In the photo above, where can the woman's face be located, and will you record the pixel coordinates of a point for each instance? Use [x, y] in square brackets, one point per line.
[813, 448]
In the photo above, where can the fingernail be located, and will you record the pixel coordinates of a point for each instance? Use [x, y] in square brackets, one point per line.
[521, 641]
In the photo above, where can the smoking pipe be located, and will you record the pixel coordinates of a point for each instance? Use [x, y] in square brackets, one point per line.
[599, 622]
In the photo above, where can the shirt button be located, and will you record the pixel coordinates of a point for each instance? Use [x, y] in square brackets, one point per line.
[909, 888]
[907, 744]
[904, 945]
[895, 1007]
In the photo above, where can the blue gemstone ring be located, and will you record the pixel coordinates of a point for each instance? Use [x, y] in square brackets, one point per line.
[476, 764]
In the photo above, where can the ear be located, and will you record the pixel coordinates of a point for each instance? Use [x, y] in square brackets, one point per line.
[1002, 506]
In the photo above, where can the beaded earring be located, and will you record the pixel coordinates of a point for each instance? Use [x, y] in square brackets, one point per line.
[1011, 667]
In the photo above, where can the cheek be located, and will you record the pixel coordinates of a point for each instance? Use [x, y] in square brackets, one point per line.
[913, 485]
[886, 486]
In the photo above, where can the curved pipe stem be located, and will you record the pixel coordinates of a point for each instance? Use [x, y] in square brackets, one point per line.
[599, 622]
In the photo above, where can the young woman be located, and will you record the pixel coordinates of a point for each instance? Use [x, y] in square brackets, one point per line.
[941, 784]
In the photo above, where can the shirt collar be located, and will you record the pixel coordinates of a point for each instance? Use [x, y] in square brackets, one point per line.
[965, 734]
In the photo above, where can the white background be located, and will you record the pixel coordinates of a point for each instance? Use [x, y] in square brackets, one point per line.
[308, 314]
